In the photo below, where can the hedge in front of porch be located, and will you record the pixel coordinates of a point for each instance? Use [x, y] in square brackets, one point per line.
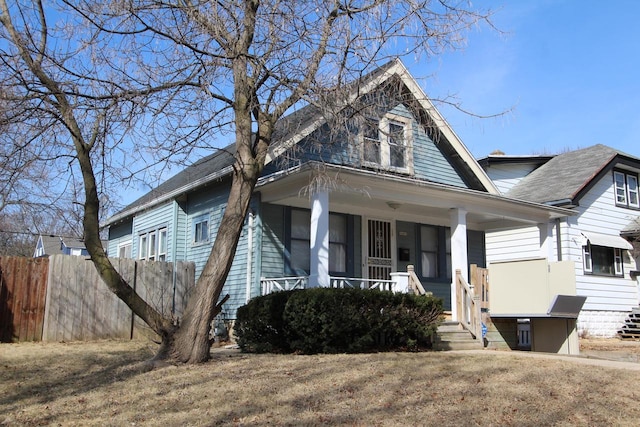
[323, 320]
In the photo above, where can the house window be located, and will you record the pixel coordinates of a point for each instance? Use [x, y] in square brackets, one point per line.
[300, 242]
[162, 244]
[124, 250]
[150, 246]
[386, 144]
[435, 252]
[201, 230]
[602, 260]
[626, 189]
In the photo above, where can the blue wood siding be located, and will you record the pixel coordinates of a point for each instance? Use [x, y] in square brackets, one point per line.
[476, 248]
[430, 163]
[159, 217]
[118, 234]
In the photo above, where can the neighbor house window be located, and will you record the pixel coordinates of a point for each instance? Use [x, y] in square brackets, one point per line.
[435, 252]
[602, 260]
[386, 144]
[626, 189]
[201, 229]
[300, 242]
[150, 247]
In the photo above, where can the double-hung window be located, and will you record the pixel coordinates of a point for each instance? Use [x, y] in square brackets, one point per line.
[124, 250]
[602, 260]
[435, 252]
[626, 189]
[200, 230]
[386, 144]
[300, 242]
[152, 245]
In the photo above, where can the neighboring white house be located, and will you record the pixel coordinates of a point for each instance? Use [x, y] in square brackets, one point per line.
[600, 184]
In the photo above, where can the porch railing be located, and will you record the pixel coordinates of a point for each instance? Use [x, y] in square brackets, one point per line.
[359, 283]
[283, 284]
[468, 306]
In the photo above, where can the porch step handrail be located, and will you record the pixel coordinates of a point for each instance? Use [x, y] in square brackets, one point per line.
[468, 306]
[479, 280]
[414, 282]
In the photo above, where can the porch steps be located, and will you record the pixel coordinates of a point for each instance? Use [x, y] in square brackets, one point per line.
[631, 328]
[452, 336]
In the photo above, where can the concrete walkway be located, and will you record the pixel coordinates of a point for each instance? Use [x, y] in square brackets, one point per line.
[605, 359]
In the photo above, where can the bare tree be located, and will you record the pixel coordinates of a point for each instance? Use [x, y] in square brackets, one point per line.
[186, 70]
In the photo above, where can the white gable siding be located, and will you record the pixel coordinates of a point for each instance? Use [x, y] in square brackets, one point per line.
[505, 176]
[505, 245]
[599, 214]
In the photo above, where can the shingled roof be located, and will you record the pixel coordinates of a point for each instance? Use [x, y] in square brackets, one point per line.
[562, 179]
[295, 126]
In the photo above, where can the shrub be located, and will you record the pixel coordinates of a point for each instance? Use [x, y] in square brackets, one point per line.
[323, 320]
[259, 324]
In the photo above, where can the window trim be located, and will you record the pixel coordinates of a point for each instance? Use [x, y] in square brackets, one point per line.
[588, 262]
[443, 253]
[123, 245]
[148, 244]
[384, 144]
[348, 244]
[625, 189]
[195, 241]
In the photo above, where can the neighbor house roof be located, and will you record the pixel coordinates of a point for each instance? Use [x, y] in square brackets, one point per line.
[566, 177]
[54, 244]
[297, 125]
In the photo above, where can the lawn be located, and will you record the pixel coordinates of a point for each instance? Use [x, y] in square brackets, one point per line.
[106, 383]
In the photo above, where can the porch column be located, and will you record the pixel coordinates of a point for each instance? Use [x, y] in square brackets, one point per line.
[319, 267]
[458, 253]
[546, 240]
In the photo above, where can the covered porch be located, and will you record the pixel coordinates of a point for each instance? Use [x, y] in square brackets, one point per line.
[396, 221]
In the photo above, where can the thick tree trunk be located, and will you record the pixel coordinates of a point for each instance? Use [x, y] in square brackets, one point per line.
[191, 343]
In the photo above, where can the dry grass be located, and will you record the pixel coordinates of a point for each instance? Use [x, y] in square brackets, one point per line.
[105, 383]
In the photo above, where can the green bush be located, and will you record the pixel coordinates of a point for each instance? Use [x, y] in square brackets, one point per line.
[259, 325]
[323, 320]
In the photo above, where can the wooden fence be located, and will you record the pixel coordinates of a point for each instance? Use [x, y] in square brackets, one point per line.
[79, 306]
[23, 286]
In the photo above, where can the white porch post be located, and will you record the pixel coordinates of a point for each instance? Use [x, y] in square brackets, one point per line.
[458, 253]
[546, 240]
[319, 267]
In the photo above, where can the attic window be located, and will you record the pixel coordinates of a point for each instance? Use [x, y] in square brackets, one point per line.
[626, 189]
[387, 144]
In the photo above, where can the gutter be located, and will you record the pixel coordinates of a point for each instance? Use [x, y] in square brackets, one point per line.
[120, 216]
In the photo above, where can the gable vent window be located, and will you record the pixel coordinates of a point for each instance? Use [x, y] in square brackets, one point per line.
[626, 189]
[387, 144]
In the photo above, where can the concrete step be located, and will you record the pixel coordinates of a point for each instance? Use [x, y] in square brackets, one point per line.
[452, 336]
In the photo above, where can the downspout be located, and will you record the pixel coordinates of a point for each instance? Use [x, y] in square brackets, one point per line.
[558, 241]
[174, 253]
[249, 255]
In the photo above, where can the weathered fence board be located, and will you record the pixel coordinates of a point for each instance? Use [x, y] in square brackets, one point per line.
[23, 286]
[81, 307]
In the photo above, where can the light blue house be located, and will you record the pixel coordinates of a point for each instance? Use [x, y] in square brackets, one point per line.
[354, 207]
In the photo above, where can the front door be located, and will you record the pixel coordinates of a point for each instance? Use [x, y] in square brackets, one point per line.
[379, 262]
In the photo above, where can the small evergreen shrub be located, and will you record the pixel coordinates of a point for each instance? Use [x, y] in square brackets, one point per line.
[323, 320]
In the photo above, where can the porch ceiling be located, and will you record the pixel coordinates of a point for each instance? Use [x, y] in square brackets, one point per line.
[371, 194]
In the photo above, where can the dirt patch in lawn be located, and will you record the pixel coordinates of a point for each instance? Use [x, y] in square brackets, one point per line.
[611, 349]
[107, 383]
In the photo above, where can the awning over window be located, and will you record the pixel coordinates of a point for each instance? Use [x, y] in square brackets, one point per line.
[607, 240]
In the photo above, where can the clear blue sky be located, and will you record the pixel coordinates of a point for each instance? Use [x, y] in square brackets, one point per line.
[568, 69]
